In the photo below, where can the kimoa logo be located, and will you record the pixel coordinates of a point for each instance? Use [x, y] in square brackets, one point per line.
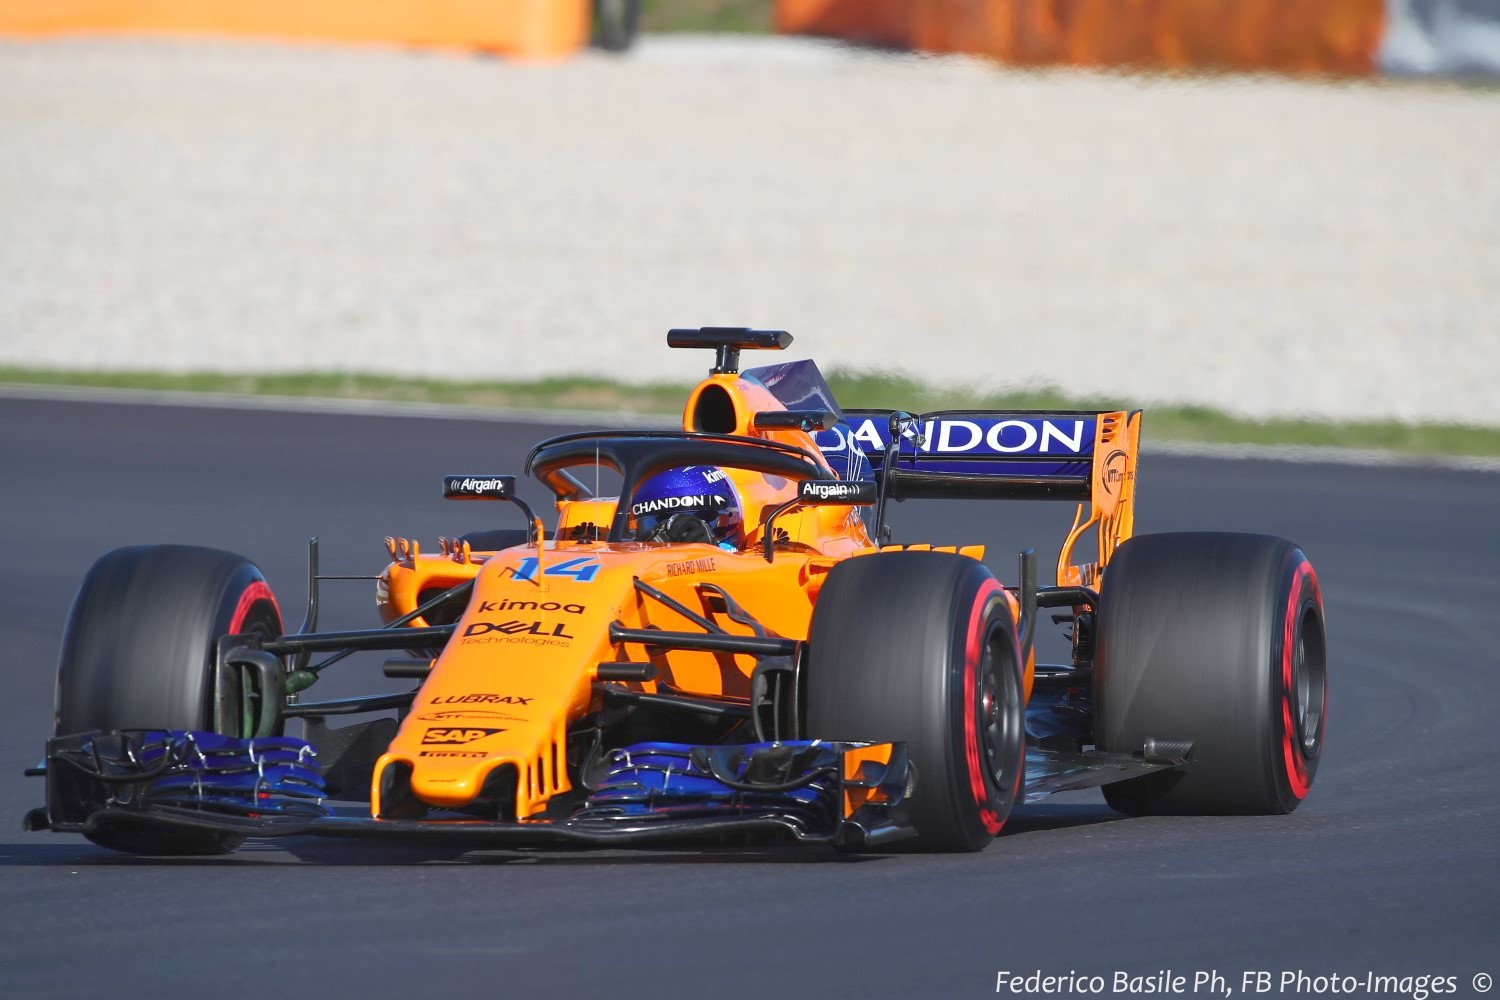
[1008, 436]
[456, 737]
[572, 609]
[674, 503]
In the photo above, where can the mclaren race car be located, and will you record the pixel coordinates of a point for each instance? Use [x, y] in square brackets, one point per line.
[732, 648]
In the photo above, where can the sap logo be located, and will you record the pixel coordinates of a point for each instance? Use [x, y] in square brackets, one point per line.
[516, 628]
[951, 435]
[456, 737]
[572, 609]
[479, 699]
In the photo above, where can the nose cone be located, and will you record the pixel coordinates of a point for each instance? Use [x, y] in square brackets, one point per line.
[449, 782]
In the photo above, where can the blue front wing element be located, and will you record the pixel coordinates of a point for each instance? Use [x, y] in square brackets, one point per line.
[799, 780]
[198, 770]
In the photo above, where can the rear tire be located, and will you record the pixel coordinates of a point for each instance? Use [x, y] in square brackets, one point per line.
[138, 653]
[920, 647]
[1216, 638]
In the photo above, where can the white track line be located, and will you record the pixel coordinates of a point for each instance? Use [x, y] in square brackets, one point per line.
[1304, 454]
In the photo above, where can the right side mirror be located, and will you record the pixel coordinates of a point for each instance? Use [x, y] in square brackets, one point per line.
[837, 493]
[822, 493]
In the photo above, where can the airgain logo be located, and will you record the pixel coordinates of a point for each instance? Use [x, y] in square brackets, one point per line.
[455, 737]
[498, 487]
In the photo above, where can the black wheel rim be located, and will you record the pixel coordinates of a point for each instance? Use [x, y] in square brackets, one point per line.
[1309, 681]
[1000, 732]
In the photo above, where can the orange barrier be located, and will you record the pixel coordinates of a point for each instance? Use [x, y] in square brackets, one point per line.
[1316, 36]
[538, 29]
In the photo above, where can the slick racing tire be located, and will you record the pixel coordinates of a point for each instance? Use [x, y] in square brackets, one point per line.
[138, 653]
[920, 647]
[1218, 639]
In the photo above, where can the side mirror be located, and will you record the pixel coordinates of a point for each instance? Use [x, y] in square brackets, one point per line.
[837, 493]
[479, 487]
[494, 488]
[821, 493]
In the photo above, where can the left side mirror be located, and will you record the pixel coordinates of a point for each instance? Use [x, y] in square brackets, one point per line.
[479, 487]
[494, 488]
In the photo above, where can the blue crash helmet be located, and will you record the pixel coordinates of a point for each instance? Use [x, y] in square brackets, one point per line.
[697, 503]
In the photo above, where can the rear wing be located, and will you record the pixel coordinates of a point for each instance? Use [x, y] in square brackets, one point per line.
[1086, 456]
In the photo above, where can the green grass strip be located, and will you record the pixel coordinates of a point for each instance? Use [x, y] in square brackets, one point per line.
[853, 389]
[709, 16]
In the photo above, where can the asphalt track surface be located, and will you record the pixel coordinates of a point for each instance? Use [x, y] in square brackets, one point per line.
[1390, 866]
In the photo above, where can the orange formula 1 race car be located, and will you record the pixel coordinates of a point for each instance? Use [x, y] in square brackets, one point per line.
[732, 647]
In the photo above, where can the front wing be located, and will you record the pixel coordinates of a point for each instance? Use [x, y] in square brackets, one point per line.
[845, 794]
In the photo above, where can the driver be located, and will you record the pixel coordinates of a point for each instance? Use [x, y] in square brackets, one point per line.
[697, 503]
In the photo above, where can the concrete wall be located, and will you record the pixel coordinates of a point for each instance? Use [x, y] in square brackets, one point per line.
[1345, 37]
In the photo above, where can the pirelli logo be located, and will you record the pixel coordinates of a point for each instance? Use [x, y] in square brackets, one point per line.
[455, 737]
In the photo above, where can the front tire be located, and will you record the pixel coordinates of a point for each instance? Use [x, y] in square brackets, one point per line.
[138, 653]
[1216, 638]
[920, 647]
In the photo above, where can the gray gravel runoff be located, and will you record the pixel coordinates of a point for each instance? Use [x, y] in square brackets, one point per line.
[1268, 246]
